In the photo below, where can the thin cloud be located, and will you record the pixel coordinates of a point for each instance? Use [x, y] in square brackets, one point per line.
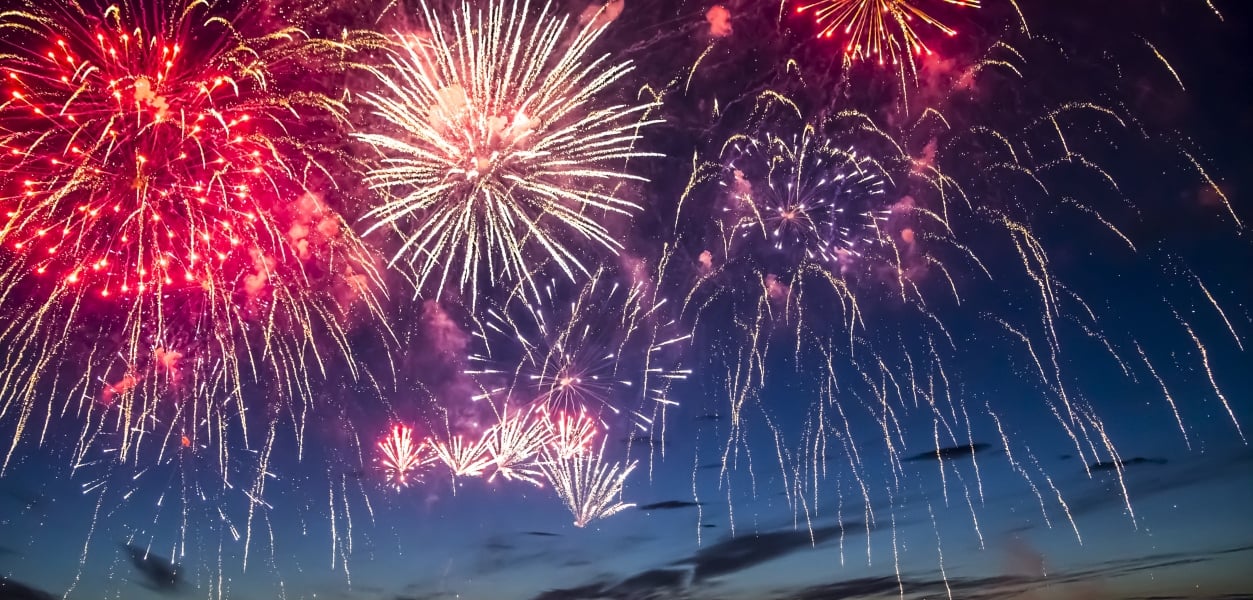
[670, 505]
[160, 574]
[950, 452]
[13, 590]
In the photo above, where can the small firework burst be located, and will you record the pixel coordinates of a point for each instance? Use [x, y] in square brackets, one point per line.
[807, 198]
[402, 457]
[590, 487]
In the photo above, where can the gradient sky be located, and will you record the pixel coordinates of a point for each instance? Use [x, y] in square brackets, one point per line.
[969, 525]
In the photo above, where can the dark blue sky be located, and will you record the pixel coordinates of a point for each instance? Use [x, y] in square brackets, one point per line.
[1044, 520]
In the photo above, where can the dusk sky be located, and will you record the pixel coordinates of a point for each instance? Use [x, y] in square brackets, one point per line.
[971, 325]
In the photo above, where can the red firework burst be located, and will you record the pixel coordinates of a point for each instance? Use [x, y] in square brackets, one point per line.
[155, 157]
[402, 456]
[143, 152]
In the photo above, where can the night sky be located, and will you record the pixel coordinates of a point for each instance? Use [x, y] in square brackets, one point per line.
[923, 454]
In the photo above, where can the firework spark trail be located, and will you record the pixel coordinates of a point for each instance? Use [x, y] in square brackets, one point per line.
[939, 549]
[1017, 467]
[498, 144]
[1226, 202]
[1221, 313]
[1174, 409]
[1162, 58]
[1214, 9]
[165, 249]
[590, 487]
[530, 445]
[767, 297]
[1209, 372]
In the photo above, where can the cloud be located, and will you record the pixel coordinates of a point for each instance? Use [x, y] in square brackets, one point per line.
[1167, 478]
[583, 592]
[672, 582]
[600, 14]
[670, 505]
[739, 553]
[639, 438]
[706, 262]
[725, 557]
[442, 333]
[13, 590]
[144, 94]
[1120, 463]
[161, 574]
[719, 19]
[443, 362]
[950, 452]
[262, 266]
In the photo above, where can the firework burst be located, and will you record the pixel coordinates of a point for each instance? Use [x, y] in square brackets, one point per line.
[590, 487]
[499, 144]
[571, 434]
[810, 200]
[159, 216]
[402, 457]
[881, 30]
[464, 456]
[515, 440]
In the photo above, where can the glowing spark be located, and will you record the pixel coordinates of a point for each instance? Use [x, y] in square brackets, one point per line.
[158, 208]
[805, 197]
[1162, 58]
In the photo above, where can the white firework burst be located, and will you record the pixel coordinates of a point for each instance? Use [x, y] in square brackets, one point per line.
[499, 144]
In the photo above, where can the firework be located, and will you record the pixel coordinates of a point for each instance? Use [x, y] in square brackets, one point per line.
[809, 212]
[571, 434]
[953, 244]
[499, 144]
[165, 245]
[192, 474]
[881, 30]
[810, 200]
[590, 487]
[402, 457]
[608, 348]
[465, 457]
[515, 440]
